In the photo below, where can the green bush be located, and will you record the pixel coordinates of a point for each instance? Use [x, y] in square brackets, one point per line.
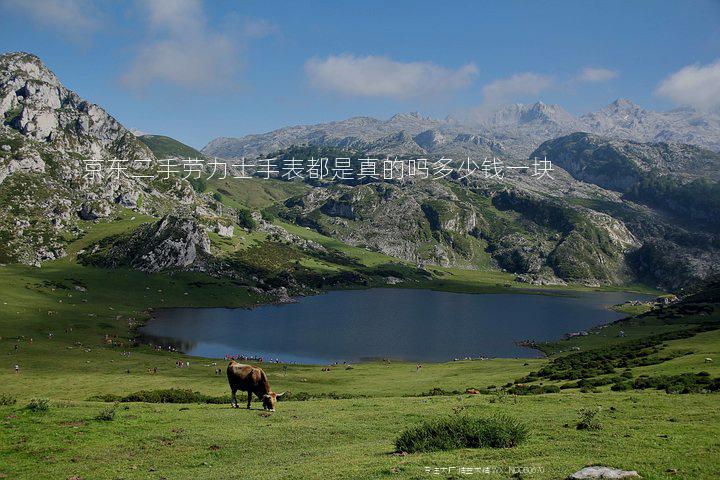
[589, 420]
[38, 405]
[107, 414]
[268, 216]
[682, 383]
[439, 392]
[604, 361]
[621, 387]
[7, 399]
[533, 389]
[198, 184]
[245, 220]
[462, 431]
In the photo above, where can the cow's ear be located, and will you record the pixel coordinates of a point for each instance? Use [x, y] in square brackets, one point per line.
[266, 396]
[280, 394]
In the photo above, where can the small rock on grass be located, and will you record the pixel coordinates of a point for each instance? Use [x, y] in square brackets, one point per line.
[597, 472]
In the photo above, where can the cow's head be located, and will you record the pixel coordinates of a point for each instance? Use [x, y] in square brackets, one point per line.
[270, 400]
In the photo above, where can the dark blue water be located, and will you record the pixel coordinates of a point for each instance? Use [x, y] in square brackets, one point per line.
[415, 325]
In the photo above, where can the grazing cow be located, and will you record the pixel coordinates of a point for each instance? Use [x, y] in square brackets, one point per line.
[251, 380]
[708, 360]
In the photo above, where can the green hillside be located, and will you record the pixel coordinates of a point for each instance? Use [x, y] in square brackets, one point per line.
[164, 147]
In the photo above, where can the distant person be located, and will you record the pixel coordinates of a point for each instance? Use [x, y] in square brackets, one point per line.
[418, 367]
[17, 369]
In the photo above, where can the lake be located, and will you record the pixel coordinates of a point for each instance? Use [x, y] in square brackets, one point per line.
[414, 325]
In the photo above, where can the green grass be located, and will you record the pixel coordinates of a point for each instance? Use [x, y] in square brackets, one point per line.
[92, 312]
[462, 431]
[350, 439]
[254, 193]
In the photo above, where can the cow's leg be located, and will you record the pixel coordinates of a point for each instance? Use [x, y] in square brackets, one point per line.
[249, 399]
[233, 401]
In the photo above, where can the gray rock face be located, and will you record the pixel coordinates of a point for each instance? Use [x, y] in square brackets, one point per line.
[444, 223]
[597, 472]
[26, 164]
[623, 119]
[173, 243]
[34, 102]
[128, 199]
[225, 230]
[93, 212]
[620, 164]
[47, 135]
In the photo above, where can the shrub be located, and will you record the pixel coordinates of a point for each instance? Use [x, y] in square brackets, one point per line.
[588, 419]
[533, 389]
[107, 414]
[604, 361]
[268, 216]
[198, 184]
[7, 399]
[498, 396]
[439, 392]
[38, 405]
[172, 395]
[245, 220]
[461, 431]
[621, 387]
[682, 383]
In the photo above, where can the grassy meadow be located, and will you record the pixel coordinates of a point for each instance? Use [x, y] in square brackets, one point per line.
[340, 423]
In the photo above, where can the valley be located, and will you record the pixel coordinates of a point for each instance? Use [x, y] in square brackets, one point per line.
[85, 262]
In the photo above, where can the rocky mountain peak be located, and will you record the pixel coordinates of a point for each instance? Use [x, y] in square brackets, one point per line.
[26, 65]
[406, 115]
[35, 103]
[429, 139]
[519, 114]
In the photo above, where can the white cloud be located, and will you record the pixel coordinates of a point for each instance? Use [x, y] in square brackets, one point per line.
[258, 28]
[372, 76]
[695, 85]
[182, 49]
[591, 74]
[521, 84]
[74, 19]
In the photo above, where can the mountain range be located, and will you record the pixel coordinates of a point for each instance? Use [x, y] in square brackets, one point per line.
[617, 210]
[512, 131]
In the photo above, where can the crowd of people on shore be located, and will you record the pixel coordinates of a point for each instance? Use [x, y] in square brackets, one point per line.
[252, 358]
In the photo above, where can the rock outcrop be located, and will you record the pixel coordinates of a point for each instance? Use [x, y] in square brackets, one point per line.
[173, 243]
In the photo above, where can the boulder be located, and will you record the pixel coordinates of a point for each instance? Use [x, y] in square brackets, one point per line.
[129, 199]
[93, 212]
[225, 230]
[603, 472]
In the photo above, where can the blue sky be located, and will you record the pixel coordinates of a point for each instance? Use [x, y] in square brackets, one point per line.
[195, 70]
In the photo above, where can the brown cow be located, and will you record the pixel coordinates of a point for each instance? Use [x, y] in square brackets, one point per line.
[251, 380]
